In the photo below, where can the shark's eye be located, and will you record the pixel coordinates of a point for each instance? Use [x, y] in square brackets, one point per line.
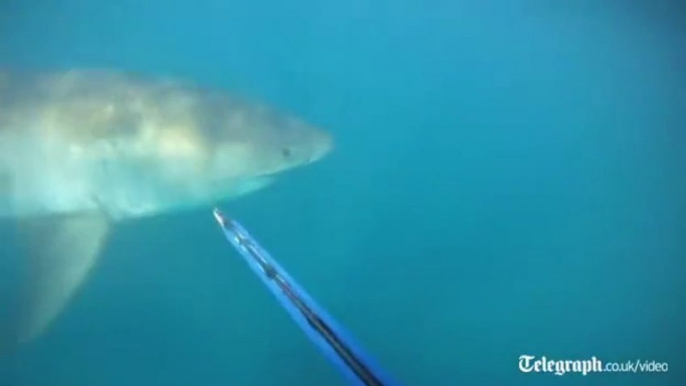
[286, 152]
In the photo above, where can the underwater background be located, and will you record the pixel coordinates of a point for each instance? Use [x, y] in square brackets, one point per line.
[509, 178]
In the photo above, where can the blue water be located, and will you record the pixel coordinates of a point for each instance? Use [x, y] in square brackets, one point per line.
[508, 179]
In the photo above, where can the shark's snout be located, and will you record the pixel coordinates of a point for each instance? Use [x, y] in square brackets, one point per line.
[326, 145]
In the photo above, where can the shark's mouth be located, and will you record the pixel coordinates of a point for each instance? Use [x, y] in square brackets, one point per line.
[241, 187]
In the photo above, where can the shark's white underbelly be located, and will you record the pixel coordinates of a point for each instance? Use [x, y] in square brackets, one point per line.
[44, 177]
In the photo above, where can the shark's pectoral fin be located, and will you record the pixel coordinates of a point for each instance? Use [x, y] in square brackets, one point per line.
[61, 252]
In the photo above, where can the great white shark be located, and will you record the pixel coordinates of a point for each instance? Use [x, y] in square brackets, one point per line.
[84, 150]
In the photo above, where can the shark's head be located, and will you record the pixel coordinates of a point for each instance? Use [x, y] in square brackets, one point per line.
[226, 149]
[260, 143]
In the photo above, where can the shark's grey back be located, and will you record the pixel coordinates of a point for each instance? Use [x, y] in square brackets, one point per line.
[102, 102]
